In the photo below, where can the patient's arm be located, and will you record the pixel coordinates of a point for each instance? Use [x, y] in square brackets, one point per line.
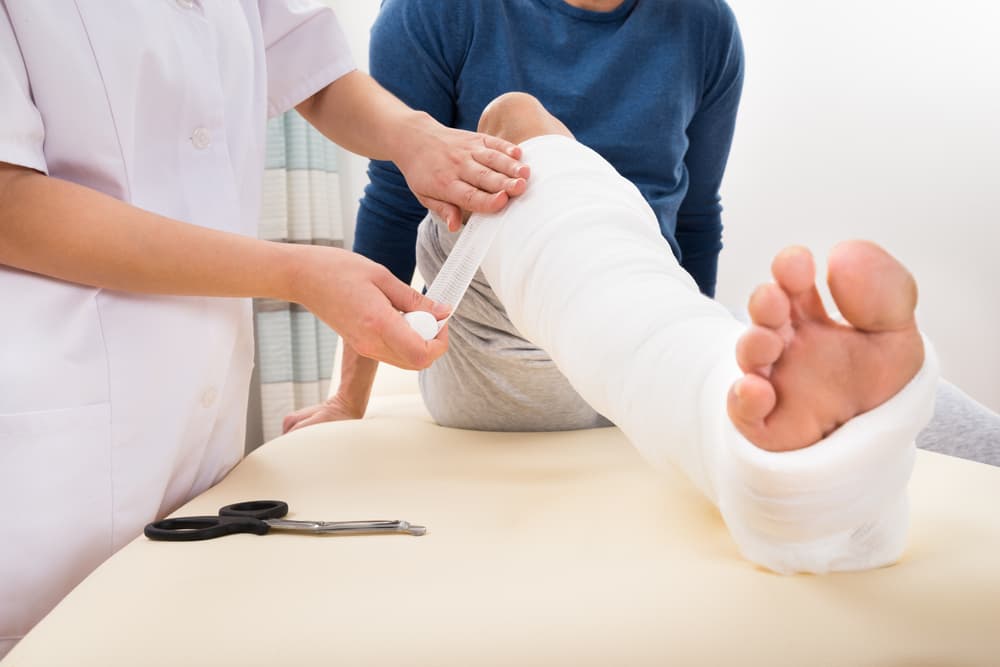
[582, 271]
[357, 376]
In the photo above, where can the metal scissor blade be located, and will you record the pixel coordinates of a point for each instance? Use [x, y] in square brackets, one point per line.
[346, 527]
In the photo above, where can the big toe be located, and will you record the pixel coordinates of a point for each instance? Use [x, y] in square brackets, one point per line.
[872, 289]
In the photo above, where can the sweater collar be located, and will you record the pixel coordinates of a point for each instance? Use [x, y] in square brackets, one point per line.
[615, 14]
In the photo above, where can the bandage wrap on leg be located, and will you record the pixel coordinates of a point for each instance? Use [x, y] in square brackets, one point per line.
[583, 271]
[838, 505]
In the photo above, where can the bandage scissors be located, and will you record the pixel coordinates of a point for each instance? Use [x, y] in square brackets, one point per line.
[260, 517]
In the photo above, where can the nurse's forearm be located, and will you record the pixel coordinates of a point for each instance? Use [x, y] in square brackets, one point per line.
[445, 168]
[76, 234]
[73, 233]
[363, 117]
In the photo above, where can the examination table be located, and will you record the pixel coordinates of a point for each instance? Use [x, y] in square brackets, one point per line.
[542, 549]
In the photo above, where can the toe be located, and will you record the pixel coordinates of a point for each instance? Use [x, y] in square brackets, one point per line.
[758, 349]
[769, 306]
[872, 289]
[794, 270]
[751, 400]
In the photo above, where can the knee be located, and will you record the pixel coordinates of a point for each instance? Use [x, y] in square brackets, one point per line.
[519, 116]
[502, 109]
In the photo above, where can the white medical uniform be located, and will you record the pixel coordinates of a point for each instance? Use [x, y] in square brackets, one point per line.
[116, 408]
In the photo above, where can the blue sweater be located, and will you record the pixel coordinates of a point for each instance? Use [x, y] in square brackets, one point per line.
[653, 86]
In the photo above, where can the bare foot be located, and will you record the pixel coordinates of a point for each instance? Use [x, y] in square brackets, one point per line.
[805, 373]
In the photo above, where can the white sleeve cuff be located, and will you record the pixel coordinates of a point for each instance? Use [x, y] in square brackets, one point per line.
[27, 153]
[306, 50]
[22, 133]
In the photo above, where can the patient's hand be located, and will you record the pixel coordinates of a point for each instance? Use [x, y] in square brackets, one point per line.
[332, 409]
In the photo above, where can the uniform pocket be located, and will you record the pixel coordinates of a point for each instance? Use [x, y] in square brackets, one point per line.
[55, 491]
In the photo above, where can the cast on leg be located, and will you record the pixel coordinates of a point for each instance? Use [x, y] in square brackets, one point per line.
[583, 272]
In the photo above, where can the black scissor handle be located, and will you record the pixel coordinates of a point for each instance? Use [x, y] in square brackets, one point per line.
[258, 509]
[191, 528]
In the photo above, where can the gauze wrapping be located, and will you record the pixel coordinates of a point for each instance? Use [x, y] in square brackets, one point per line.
[582, 269]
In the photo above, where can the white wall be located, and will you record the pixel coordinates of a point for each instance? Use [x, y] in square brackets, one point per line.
[875, 119]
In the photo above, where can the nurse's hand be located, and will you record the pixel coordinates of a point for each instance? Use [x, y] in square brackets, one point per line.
[362, 300]
[450, 171]
[447, 169]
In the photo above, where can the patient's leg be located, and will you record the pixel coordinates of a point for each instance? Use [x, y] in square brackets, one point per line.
[492, 378]
[583, 272]
[806, 374]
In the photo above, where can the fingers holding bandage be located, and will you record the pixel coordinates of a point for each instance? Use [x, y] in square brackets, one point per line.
[399, 333]
[366, 310]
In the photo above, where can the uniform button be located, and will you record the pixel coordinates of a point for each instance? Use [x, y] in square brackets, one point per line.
[201, 138]
[209, 397]
[186, 4]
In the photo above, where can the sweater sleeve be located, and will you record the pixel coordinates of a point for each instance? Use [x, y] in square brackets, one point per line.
[416, 55]
[710, 135]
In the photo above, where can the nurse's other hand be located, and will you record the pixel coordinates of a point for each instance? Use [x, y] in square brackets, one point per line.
[332, 409]
[453, 170]
[362, 300]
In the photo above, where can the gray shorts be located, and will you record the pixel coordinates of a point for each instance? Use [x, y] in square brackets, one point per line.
[491, 378]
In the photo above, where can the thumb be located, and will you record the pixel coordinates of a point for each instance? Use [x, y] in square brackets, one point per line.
[405, 298]
[438, 310]
[449, 213]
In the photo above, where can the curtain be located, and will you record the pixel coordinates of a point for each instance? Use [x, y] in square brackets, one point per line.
[301, 204]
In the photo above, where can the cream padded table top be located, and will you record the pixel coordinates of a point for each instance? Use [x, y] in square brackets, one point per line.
[542, 549]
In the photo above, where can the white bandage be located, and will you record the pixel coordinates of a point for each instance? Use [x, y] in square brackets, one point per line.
[583, 272]
[840, 504]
